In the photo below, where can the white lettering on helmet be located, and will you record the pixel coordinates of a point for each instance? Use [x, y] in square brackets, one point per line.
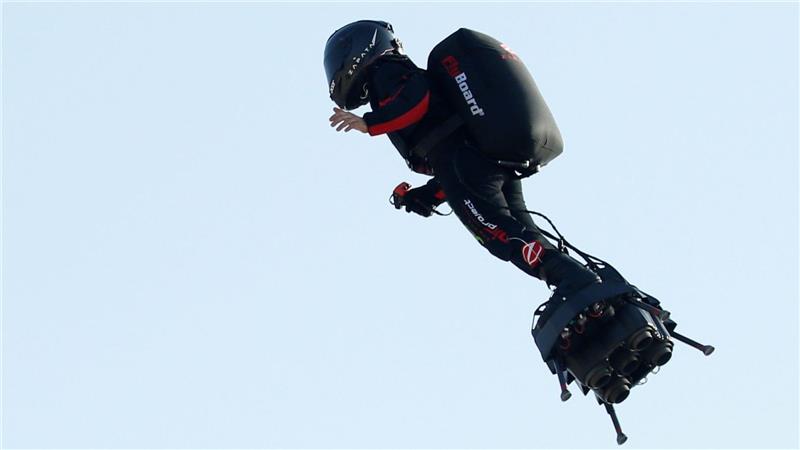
[357, 59]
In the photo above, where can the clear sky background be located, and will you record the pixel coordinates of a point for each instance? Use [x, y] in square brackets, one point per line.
[193, 258]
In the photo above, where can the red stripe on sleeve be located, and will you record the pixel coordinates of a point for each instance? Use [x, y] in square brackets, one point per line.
[412, 116]
[390, 99]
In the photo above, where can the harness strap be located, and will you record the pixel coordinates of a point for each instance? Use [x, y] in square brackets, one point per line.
[426, 144]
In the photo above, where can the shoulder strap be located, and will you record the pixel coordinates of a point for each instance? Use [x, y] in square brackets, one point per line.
[427, 143]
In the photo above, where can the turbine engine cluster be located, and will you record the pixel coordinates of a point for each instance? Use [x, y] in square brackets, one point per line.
[607, 338]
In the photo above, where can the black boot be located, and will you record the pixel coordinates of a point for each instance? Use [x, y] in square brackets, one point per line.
[567, 275]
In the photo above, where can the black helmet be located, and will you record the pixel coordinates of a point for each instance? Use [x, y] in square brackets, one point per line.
[348, 52]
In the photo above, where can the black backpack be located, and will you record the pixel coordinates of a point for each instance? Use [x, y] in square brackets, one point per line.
[496, 98]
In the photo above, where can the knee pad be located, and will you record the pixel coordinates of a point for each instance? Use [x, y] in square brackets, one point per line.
[532, 253]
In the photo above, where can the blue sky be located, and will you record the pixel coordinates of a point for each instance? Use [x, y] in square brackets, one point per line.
[192, 258]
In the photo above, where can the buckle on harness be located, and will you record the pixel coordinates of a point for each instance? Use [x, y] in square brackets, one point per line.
[523, 169]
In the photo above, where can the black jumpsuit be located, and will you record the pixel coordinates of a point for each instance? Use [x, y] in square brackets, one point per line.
[487, 198]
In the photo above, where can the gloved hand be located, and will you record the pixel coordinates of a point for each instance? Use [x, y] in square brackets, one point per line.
[422, 200]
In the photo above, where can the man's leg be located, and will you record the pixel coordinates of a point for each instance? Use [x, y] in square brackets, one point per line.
[512, 191]
[558, 268]
[475, 191]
